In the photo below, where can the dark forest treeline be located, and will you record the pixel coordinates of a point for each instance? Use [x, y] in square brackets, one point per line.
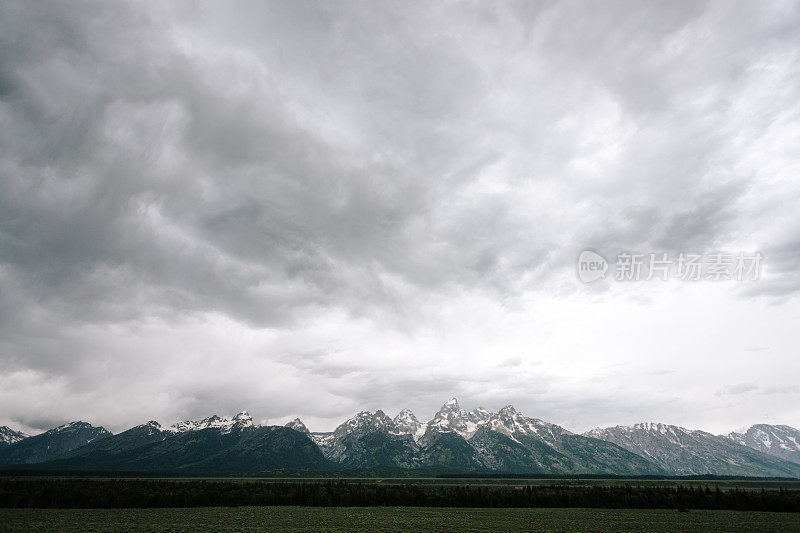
[55, 493]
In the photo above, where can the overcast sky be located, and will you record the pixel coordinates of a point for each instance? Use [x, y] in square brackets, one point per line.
[311, 209]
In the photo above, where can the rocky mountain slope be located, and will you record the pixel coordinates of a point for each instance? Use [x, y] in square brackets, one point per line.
[9, 436]
[217, 449]
[225, 425]
[472, 441]
[780, 441]
[453, 440]
[51, 444]
[685, 451]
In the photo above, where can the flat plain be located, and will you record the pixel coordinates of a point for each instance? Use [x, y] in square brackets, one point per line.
[418, 519]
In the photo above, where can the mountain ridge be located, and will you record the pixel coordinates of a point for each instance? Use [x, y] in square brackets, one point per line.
[778, 440]
[9, 436]
[694, 452]
[52, 443]
[453, 440]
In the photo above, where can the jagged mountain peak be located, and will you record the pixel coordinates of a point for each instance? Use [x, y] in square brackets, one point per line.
[777, 440]
[507, 421]
[479, 416]
[50, 444]
[407, 422]
[508, 410]
[453, 439]
[78, 424]
[406, 415]
[654, 428]
[365, 422]
[450, 418]
[9, 436]
[450, 406]
[151, 427]
[225, 425]
[243, 420]
[687, 451]
[515, 425]
[297, 425]
[660, 427]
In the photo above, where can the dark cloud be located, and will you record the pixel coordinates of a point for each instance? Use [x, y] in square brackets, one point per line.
[315, 173]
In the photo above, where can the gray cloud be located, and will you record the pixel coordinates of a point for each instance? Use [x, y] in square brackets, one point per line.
[319, 175]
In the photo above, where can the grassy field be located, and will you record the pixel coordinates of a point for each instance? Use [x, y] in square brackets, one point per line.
[731, 483]
[247, 519]
[746, 484]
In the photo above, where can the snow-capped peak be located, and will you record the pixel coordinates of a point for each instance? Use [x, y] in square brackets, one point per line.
[508, 410]
[297, 425]
[151, 427]
[405, 417]
[778, 440]
[69, 426]
[243, 419]
[660, 427]
[479, 416]
[366, 422]
[514, 424]
[225, 425]
[451, 418]
[666, 432]
[407, 422]
[10, 436]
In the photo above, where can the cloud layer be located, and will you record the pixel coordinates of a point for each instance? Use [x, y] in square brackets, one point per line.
[303, 208]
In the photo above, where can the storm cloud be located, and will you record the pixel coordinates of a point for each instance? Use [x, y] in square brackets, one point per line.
[304, 208]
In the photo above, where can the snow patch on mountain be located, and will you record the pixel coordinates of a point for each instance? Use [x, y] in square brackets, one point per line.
[9, 436]
[334, 445]
[323, 439]
[151, 428]
[514, 424]
[452, 419]
[407, 422]
[297, 425]
[225, 425]
[365, 422]
[777, 440]
[686, 451]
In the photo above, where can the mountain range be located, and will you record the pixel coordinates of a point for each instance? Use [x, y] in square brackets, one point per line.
[478, 440]
[780, 441]
[686, 452]
[51, 444]
[454, 440]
